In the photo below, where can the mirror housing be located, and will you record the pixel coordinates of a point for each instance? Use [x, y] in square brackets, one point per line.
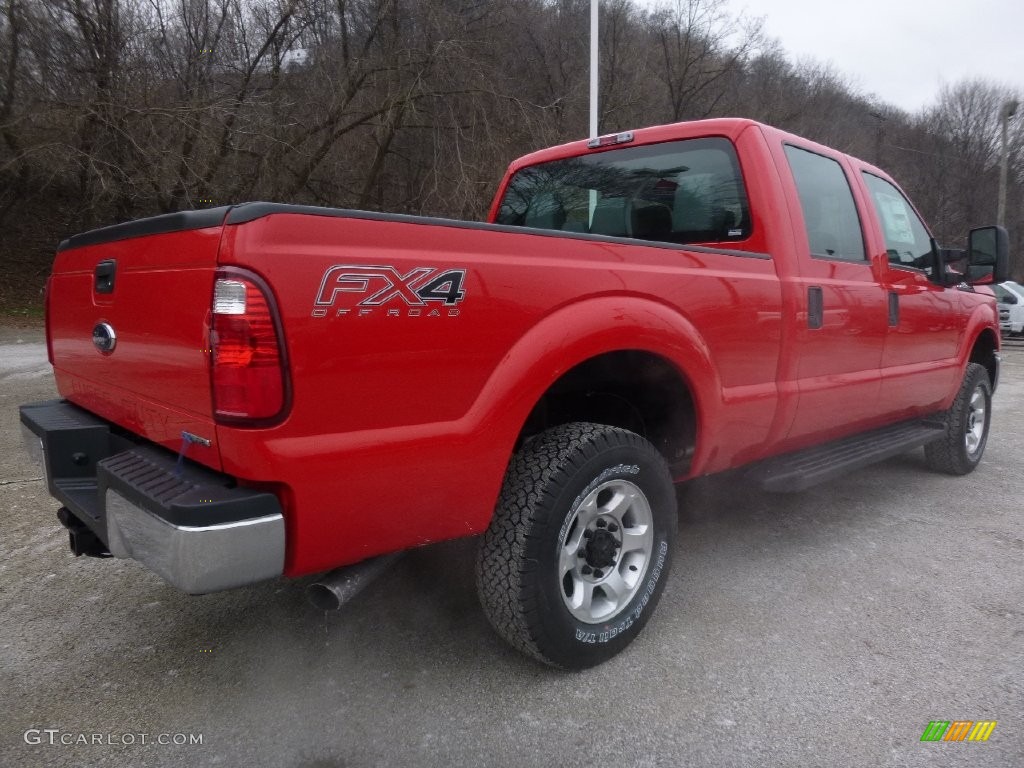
[950, 265]
[988, 256]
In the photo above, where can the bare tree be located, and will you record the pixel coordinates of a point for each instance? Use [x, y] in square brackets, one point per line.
[113, 109]
[699, 45]
[14, 165]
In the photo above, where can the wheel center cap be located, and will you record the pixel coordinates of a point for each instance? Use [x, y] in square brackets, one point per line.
[601, 549]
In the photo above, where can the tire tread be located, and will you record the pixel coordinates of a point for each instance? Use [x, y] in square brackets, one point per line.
[949, 454]
[505, 576]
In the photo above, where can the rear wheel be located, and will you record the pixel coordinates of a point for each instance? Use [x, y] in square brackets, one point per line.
[579, 548]
[967, 422]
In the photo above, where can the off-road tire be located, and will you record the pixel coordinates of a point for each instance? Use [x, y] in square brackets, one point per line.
[960, 449]
[553, 484]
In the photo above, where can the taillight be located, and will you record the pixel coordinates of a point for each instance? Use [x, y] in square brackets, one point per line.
[248, 366]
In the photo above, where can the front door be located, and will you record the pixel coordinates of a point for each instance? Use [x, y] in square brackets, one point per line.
[919, 364]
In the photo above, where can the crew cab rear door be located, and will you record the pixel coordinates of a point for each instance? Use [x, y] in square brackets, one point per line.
[840, 335]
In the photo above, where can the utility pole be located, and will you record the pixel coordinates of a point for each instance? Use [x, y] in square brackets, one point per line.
[1009, 110]
[879, 133]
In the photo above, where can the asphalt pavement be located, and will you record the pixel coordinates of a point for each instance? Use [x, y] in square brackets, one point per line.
[826, 628]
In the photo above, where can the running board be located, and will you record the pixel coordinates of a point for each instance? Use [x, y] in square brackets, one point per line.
[798, 471]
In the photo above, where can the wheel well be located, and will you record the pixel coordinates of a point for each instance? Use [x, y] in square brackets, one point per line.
[632, 389]
[984, 353]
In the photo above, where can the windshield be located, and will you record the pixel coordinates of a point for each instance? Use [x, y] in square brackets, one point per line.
[679, 192]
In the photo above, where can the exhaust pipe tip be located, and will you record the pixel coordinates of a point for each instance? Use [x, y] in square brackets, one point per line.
[323, 597]
[334, 589]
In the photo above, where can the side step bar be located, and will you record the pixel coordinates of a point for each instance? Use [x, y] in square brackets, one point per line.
[798, 471]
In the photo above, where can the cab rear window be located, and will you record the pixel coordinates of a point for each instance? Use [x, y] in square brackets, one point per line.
[678, 192]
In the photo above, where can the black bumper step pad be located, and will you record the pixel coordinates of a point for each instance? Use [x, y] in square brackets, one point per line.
[182, 493]
[85, 458]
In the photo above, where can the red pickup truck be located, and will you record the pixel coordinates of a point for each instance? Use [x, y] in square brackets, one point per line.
[264, 390]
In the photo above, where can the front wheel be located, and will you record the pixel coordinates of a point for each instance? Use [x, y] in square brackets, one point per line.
[959, 451]
[578, 551]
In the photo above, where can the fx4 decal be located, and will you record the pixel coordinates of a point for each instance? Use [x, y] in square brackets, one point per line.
[379, 286]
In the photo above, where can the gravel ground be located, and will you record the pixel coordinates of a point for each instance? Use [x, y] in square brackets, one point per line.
[821, 629]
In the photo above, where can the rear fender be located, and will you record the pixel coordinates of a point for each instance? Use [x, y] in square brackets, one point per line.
[579, 332]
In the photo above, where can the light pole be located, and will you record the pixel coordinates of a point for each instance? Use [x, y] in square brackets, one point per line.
[1009, 110]
[594, 40]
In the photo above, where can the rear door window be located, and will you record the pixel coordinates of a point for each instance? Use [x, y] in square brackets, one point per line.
[678, 192]
[830, 213]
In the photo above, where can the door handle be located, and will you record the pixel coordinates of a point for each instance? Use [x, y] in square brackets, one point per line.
[894, 309]
[815, 307]
[104, 276]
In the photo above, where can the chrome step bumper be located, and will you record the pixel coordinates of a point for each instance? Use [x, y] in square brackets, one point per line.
[194, 527]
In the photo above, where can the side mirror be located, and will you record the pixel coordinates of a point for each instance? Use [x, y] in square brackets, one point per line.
[988, 256]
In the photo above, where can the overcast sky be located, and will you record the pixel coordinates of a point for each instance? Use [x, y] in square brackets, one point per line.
[903, 51]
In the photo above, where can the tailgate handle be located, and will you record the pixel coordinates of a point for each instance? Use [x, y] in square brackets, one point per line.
[105, 271]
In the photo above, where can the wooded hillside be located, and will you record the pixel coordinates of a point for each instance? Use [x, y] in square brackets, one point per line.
[115, 109]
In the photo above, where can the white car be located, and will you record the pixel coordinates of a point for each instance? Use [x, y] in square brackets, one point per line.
[1010, 298]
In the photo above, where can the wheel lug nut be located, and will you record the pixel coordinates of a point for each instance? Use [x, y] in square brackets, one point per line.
[587, 534]
[586, 570]
[598, 574]
[613, 527]
[601, 523]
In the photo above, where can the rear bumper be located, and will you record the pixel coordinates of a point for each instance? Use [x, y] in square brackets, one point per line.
[194, 527]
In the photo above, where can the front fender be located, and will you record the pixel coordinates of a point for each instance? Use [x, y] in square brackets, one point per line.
[983, 319]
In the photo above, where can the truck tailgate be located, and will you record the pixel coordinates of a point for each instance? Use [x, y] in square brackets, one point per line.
[147, 298]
